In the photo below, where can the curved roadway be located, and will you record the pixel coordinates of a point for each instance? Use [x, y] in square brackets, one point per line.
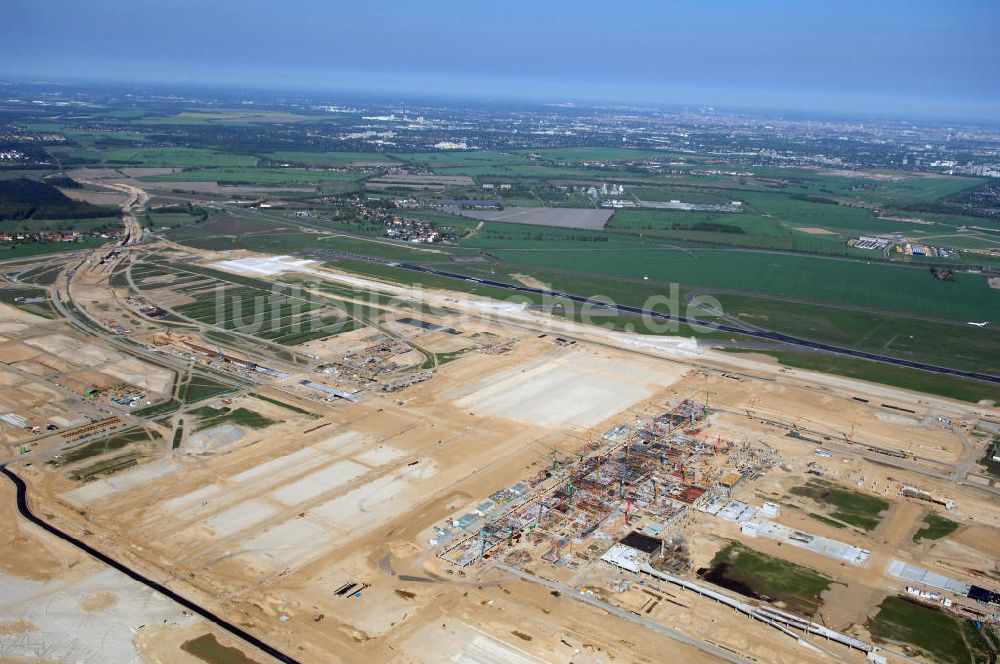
[757, 333]
[22, 507]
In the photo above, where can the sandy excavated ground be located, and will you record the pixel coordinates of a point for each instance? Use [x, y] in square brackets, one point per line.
[265, 528]
[57, 605]
[284, 522]
[46, 369]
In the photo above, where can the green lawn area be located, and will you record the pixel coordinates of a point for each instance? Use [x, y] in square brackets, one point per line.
[210, 417]
[955, 345]
[178, 435]
[158, 409]
[207, 649]
[105, 467]
[43, 309]
[935, 527]
[989, 465]
[43, 275]
[939, 636]
[827, 520]
[202, 388]
[850, 507]
[282, 404]
[757, 574]
[110, 443]
[741, 223]
[962, 389]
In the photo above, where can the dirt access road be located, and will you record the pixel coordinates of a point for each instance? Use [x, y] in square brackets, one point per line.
[137, 201]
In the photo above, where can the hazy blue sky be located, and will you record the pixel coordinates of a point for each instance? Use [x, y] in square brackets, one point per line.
[905, 57]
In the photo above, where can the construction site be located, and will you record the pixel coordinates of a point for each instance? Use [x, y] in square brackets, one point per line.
[653, 473]
[479, 482]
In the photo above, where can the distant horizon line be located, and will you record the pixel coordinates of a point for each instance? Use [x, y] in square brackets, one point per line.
[385, 95]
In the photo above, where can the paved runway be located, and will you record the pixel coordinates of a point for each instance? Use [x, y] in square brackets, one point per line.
[760, 334]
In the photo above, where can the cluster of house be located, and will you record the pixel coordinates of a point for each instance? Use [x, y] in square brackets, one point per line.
[402, 228]
[55, 236]
[414, 230]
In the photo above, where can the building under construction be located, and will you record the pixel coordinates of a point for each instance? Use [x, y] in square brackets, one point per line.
[652, 470]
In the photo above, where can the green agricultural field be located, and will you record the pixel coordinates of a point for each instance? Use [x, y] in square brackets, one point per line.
[769, 214]
[934, 527]
[874, 285]
[745, 229]
[486, 163]
[850, 507]
[760, 575]
[940, 636]
[82, 225]
[232, 118]
[123, 114]
[257, 176]
[485, 158]
[92, 138]
[918, 189]
[158, 220]
[596, 154]
[328, 158]
[71, 154]
[792, 212]
[329, 182]
[14, 251]
[177, 157]
[526, 170]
